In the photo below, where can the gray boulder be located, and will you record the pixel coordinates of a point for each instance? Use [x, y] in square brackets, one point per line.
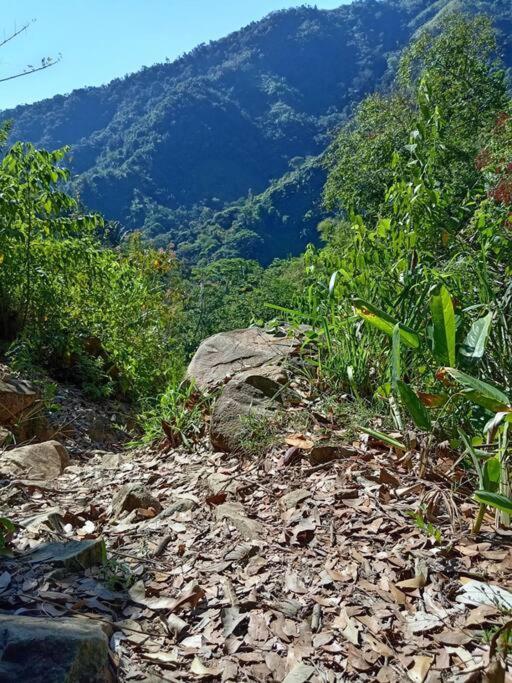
[40, 650]
[229, 353]
[41, 461]
[249, 395]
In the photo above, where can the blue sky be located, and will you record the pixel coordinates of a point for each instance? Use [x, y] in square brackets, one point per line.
[102, 39]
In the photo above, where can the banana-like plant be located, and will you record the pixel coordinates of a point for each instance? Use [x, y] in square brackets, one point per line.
[491, 466]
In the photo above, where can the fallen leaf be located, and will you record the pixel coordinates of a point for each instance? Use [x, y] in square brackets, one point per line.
[299, 441]
[138, 594]
[421, 667]
[199, 669]
[300, 673]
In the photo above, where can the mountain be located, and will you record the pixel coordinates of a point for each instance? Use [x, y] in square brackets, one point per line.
[220, 151]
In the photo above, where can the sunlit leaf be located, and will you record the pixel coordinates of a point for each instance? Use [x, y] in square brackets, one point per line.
[476, 339]
[384, 438]
[494, 500]
[480, 392]
[385, 323]
[443, 317]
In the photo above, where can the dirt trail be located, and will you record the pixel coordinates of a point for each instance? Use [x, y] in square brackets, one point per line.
[267, 571]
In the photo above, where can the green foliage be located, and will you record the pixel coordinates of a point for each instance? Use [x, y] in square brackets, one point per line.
[177, 415]
[417, 269]
[99, 315]
[212, 153]
[7, 528]
[429, 529]
[233, 293]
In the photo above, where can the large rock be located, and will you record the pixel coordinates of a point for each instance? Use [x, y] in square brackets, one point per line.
[16, 397]
[229, 353]
[41, 461]
[21, 409]
[250, 395]
[40, 650]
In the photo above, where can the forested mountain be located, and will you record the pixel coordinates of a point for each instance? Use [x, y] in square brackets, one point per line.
[186, 150]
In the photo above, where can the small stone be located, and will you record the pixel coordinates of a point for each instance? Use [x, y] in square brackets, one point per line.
[218, 482]
[179, 505]
[133, 497]
[111, 461]
[324, 453]
[6, 437]
[249, 529]
[292, 499]
[60, 650]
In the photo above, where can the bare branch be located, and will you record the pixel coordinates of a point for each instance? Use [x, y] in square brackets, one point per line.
[16, 33]
[46, 64]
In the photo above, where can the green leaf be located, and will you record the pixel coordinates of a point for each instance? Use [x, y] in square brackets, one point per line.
[443, 317]
[384, 438]
[474, 344]
[492, 474]
[415, 407]
[494, 500]
[385, 323]
[480, 392]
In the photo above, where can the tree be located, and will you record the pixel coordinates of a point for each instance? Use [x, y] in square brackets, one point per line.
[461, 83]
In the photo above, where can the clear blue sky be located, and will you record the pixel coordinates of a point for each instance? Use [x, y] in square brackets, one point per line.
[103, 39]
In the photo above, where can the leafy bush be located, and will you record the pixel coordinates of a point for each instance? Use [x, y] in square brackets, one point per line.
[103, 315]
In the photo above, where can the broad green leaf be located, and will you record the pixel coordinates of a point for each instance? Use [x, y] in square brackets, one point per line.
[384, 438]
[494, 500]
[492, 474]
[443, 317]
[476, 339]
[415, 407]
[385, 323]
[480, 392]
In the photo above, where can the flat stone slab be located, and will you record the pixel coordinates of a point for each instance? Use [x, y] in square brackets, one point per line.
[73, 555]
[294, 498]
[63, 650]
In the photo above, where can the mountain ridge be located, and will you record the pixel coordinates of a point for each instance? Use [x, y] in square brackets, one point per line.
[160, 147]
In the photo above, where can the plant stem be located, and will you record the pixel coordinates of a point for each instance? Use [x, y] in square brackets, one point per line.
[479, 519]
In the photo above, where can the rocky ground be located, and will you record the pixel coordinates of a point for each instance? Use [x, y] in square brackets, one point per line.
[323, 557]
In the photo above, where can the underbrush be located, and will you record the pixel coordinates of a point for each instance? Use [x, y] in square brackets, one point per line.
[409, 301]
[91, 313]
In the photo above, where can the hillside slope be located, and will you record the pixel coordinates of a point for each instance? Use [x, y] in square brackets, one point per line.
[169, 148]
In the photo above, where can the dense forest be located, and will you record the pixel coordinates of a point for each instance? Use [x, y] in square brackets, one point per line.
[220, 153]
